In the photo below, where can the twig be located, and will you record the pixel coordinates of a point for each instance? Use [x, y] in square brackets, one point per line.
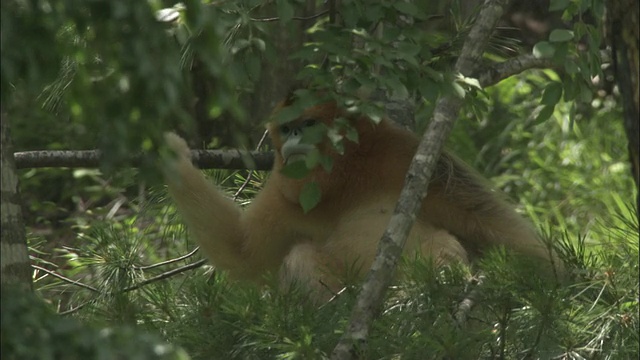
[513, 66]
[301, 18]
[246, 181]
[166, 275]
[204, 159]
[72, 310]
[65, 279]
[167, 262]
[465, 306]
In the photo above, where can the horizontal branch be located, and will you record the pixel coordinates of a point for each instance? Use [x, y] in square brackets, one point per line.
[510, 67]
[204, 159]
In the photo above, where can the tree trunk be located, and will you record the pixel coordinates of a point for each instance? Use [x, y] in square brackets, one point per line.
[15, 269]
[622, 33]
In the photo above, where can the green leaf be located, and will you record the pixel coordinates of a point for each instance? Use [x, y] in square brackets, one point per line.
[429, 90]
[545, 113]
[310, 196]
[327, 162]
[409, 8]
[458, 90]
[560, 35]
[285, 11]
[314, 134]
[543, 50]
[295, 170]
[253, 66]
[557, 5]
[352, 134]
[552, 94]
[259, 44]
[586, 95]
[473, 82]
[571, 67]
[312, 159]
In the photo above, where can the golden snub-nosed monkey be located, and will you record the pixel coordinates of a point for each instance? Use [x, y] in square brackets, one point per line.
[459, 217]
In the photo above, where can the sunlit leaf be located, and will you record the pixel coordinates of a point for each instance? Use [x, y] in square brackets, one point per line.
[560, 35]
[543, 50]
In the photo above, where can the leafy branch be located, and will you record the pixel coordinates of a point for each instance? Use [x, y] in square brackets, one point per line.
[235, 159]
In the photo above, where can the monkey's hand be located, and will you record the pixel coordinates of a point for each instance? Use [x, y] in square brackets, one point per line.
[175, 164]
[178, 145]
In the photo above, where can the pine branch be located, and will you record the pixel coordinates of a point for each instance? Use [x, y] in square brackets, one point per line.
[65, 279]
[166, 275]
[167, 262]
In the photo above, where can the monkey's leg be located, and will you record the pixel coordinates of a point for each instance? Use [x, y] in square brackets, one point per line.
[309, 268]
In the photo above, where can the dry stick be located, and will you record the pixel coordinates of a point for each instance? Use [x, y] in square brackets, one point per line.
[246, 181]
[166, 275]
[382, 271]
[167, 262]
[464, 308]
[65, 279]
[204, 159]
[302, 18]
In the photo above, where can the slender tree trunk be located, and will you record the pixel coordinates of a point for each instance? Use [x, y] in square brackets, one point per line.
[14, 259]
[623, 35]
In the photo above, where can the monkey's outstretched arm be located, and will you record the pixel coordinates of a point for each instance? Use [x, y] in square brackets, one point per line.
[213, 219]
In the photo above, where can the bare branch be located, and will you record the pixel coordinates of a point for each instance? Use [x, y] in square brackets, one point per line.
[205, 159]
[65, 279]
[250, 175]
[72, 310]
[300, 18]
[469, 301]
[382, 271]
[167, 262]
[166, 275]
[513, 66]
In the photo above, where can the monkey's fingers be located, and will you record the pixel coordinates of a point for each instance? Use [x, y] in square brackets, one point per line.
[178, 145]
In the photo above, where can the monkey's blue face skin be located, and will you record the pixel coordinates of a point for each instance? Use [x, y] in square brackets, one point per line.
[294, 148]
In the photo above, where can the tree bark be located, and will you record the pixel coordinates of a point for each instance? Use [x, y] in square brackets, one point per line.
[622, 33]
[15, 268]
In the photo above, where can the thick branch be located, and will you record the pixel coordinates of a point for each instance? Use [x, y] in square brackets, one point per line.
[513, 66]
[205, 159]
[422, 166]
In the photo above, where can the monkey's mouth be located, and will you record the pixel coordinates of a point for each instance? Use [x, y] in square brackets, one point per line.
[297, 152]
[294, 157]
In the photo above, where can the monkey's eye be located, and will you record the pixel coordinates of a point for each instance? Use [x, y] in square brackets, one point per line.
[309, 122]
[285, 129]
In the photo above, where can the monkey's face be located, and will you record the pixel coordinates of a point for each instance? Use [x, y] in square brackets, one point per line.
[296, 138]
[323, 145]
[306, 136]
